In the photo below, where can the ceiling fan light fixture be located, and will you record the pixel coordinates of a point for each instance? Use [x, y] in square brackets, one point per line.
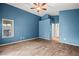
[40, 6]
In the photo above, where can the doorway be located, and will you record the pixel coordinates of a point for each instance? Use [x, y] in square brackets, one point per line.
[55, 32]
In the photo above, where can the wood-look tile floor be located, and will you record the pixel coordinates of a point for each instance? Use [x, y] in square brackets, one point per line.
[39, 47]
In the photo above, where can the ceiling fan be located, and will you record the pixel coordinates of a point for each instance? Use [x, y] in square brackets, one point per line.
[39, 6]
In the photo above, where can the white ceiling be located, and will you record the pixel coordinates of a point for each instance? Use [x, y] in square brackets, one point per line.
[53, 8]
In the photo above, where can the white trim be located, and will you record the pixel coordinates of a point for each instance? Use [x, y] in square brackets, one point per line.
[69, 43]
[18, 41]
[3, 19]
[44, 38]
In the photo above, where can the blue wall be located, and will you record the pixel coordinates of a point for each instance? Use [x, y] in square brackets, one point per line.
[46, 16]
[25, 24]
[69, 26]
[44, 29]
[0, 22]
[45, 26]
[55, 19]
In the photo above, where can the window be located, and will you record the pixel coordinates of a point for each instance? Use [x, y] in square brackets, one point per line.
[7, 28]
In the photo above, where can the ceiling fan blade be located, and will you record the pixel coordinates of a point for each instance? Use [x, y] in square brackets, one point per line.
[38, 4]
[44, 9]
[35, 4]
[43, 4]
[32, 8]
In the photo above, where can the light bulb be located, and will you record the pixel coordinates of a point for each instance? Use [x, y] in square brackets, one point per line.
[38, 8]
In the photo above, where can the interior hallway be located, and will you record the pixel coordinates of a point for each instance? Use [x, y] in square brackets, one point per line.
[39, 47]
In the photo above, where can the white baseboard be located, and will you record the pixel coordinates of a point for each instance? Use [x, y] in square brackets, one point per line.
[44, 38]
[69, 43]
[18, 41]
